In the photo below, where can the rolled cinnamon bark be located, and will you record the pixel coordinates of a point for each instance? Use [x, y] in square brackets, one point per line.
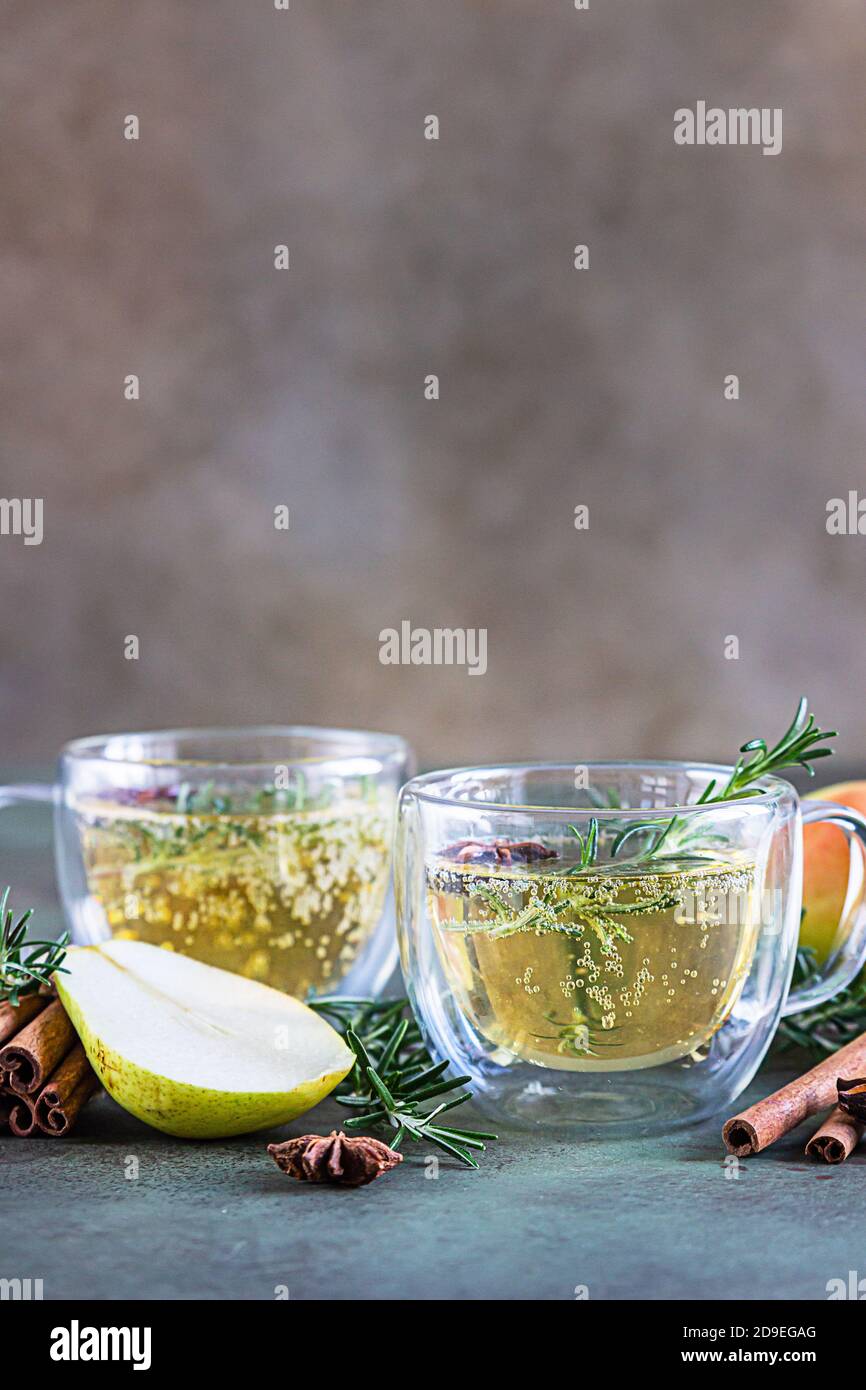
[34, 1053]
[5, 1107]
[13, 1017]
[22, 1114]
[762, 1124]
[838, 1137]
[69, 1089]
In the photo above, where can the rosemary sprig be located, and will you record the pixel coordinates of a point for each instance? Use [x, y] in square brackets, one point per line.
[829, 1026]
[576, 1037]
[394, 1076]
[796, 748]
[588, 846]
[208, 799]
[25, 965]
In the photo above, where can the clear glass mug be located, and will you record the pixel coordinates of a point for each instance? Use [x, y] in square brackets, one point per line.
[265, 851]
[598, 952]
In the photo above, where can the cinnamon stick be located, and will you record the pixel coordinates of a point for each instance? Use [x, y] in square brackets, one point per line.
[22, 1114]
[762, 1124]
[13, 1017]
[35, 1052]
[69, 1089]
[837, 1138]
[45, 1077]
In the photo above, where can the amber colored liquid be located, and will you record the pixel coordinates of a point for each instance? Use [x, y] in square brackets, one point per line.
[605, 971]
[289, 899]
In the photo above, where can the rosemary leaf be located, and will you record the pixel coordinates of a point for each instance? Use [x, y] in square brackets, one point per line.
[394, 1075]
[25, 966]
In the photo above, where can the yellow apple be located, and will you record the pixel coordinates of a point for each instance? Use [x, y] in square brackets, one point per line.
[825, 870]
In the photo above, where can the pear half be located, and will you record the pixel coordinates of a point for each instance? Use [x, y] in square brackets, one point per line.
[196, 1051]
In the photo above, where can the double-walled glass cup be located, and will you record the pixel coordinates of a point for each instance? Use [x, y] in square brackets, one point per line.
[597, 951]
[265, 851]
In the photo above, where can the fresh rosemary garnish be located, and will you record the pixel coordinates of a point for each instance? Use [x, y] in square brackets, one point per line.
[394, 1076]
[576, 1038]
[208, 799]
[25, 965]
[796, 748]
[588, 846]
[599, 913]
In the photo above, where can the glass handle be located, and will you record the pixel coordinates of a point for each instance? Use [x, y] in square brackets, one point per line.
[849, 955]
[23, 792]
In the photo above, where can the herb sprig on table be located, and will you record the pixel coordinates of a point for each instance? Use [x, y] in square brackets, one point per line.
[828, 1026]
[394, 1080]
[25, 965]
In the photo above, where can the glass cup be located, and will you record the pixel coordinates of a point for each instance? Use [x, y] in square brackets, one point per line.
[597, 951]
[265, 851]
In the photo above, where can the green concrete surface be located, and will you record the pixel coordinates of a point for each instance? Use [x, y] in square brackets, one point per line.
[646, 1219]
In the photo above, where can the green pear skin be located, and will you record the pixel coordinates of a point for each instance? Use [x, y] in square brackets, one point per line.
[169, 1103]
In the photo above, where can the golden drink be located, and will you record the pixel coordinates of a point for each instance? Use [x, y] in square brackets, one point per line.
[286, 897]
[606, 968]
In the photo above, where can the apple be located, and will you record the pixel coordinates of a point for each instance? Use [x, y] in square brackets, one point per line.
[196, 1051]
[825, 870]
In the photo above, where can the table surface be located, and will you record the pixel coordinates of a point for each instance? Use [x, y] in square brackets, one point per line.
[642, 1219]
[542, 1218]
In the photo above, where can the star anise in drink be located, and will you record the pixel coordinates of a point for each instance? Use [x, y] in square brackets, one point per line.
[503, 852]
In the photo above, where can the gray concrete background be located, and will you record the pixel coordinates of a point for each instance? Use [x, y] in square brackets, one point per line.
[408, 257]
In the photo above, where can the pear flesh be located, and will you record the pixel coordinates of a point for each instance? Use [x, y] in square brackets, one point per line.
[192, 1050]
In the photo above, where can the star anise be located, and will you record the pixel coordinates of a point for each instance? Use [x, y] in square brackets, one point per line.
[852, 1097]
[497, 852]
[334, 1158]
